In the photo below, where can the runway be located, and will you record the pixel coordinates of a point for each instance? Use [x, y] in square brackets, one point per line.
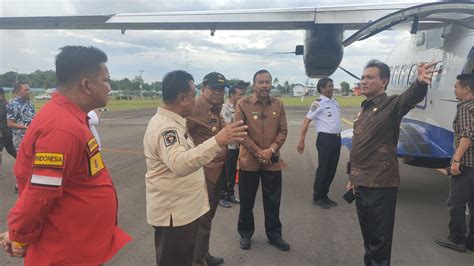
[316, 236]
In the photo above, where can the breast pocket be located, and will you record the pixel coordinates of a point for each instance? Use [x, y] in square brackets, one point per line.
[329, 114]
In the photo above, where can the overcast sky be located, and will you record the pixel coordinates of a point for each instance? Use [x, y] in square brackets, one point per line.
[236, 54]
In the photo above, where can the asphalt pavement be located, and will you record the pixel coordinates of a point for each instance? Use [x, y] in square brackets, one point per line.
[316, 236]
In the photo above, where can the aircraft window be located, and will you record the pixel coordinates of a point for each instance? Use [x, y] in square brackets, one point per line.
[403, 76]
[413, 74]
[395, 75]
[437, 75]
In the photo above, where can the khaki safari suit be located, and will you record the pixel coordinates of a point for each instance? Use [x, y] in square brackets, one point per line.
[176, 192]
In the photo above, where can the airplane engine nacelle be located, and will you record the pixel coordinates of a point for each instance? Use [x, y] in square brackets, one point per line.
[323, 50]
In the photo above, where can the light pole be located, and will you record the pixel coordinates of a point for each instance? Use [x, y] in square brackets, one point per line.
[141, 83]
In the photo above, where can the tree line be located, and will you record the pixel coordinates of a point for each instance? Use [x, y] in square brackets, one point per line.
[47, 79]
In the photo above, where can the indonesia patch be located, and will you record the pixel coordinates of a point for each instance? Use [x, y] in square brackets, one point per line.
[170, 137]
[49, 159]
[42, 180]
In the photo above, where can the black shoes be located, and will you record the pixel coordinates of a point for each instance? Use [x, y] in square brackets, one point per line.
[245, 243]
[447, 243]
[211, 260]
[224, 203]
[280, 244]
[470, 244]
[331, 203]
[234, 200]
[324, 203]
[321, 203]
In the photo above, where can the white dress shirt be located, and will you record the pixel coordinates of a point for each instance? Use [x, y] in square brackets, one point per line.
[325, 112]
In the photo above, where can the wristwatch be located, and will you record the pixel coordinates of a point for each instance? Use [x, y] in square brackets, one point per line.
[273, 150]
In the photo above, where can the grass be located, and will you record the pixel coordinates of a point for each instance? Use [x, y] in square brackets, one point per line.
[344, 101]
[115, 105]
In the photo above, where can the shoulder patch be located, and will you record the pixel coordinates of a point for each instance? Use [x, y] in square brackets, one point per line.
[49, 159]
[92, 146]
[170, 137]
[315, 105]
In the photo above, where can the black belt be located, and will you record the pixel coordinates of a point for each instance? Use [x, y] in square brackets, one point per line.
[331, 134]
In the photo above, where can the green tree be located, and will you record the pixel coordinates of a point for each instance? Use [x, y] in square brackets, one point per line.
[345, 88]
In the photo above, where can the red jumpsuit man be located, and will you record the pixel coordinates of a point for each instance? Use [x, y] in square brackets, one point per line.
[67, 209]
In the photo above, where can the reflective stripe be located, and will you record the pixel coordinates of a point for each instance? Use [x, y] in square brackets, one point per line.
[46, 180]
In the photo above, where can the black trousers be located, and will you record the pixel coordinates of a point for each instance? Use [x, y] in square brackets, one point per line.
[204, 225]
[271, 192]
[329, 148]
[376, 212]
[460, 193]
[228, 174]
[176, 245]
[7, 142]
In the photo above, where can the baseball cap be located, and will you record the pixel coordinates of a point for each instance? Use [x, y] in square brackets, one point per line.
[214, 80]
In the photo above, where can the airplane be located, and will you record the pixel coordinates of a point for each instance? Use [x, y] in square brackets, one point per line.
[441, 32]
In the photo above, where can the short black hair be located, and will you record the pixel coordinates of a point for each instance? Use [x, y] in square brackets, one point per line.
[262, 71]
[384, 70]
[323, 83]
[2, 92]
[174, 83]
[466, 80]
[74, 61]
[18, 85]
[233, 90]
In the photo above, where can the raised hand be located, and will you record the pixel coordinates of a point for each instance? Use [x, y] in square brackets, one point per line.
[234, 132]
[425, 72]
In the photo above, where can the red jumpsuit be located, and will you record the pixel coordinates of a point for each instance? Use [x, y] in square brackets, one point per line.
[67, 209]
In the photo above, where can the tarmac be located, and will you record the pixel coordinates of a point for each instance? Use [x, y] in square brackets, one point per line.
[316, 236]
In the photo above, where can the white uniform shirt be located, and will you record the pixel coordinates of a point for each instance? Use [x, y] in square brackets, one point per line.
[326, 115]
[94, 120]
[175, 183]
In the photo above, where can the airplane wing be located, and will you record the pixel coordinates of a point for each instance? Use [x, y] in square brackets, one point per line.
[353, 17]
[431, 14]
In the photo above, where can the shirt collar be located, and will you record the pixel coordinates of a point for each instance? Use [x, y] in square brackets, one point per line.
[470, 101]
[172, 115]
[376, 100]
[70, 106]
[255, 100]
[324, 98]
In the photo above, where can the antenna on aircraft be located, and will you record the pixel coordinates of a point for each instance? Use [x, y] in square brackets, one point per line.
[348, 72]
[299, 50]
[414, 26]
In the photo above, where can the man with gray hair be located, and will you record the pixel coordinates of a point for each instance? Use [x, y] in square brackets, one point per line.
[374, 175]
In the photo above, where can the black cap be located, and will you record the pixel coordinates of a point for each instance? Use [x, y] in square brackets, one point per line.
[214, 80]
[242, 84]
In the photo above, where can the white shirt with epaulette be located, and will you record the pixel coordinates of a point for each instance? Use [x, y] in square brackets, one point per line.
[325, 112]
[175, 183]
